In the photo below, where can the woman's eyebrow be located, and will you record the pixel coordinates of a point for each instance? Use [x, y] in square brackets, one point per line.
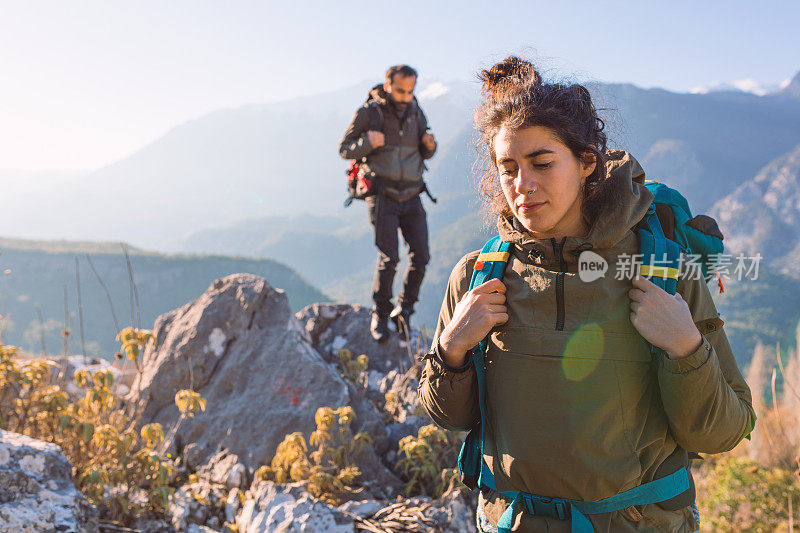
[539, 152]
[531, 155]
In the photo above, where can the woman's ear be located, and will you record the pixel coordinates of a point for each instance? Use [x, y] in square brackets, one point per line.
[588, 163]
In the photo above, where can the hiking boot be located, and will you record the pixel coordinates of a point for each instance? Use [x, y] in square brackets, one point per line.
[402, 319]
[379, 327]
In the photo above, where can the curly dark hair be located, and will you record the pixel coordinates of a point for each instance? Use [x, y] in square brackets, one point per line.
[515, 96]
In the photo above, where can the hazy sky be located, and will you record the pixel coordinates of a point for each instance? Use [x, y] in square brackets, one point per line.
[85, 83]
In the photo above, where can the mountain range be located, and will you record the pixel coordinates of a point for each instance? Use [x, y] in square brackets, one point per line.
[265, 181]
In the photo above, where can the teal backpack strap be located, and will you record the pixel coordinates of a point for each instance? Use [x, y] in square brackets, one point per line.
[660, 255]
[490, 264]
[660, 258]
[655, 491]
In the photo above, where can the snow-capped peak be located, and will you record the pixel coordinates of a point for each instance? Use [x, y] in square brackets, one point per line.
[432, 91]
[747, 85]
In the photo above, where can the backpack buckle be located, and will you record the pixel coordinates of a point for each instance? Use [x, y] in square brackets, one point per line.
[553, 507]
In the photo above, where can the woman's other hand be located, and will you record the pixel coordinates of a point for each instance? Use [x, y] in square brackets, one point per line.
[662, 319]
[474, 316]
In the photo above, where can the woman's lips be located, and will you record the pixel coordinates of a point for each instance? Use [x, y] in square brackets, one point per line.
[530, 208]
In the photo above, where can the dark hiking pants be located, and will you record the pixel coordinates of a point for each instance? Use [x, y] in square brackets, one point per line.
[387, 216]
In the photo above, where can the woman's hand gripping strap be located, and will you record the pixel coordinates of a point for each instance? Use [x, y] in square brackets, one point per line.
[490, 264]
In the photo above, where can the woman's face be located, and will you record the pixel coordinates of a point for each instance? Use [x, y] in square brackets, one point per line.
[542, 181]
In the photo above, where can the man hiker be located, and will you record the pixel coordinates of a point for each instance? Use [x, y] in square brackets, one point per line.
[389, 142]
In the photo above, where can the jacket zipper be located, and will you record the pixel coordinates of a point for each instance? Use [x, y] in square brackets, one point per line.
[400, 147]
[558, 248]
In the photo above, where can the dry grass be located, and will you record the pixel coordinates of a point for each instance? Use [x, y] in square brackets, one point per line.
[756, 486]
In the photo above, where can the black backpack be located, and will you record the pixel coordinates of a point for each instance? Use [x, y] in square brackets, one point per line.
[359, 184]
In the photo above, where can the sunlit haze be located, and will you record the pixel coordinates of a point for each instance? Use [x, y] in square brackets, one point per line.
[88, 83]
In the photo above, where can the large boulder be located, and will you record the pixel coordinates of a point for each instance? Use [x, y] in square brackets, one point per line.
[240, 346]
[36, 489]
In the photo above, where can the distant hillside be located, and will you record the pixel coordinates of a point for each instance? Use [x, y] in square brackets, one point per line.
[765, 310]
[39, 271]
[762, 215]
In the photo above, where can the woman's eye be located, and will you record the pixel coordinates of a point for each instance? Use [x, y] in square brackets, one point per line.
[507, 172]
[542, 165]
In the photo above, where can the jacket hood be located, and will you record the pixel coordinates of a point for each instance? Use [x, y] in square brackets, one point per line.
[626, 176]
[378, 94]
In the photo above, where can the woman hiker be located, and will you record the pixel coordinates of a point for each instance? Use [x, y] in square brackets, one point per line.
[584, 429]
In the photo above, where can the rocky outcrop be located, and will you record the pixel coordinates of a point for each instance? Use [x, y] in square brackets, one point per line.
[36, 489]
[242, 349]
[334, 326]
[454, 513]
[264, 372]
[270, 507]
[391, 369]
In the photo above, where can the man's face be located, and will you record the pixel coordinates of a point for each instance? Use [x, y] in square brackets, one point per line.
[401, 90]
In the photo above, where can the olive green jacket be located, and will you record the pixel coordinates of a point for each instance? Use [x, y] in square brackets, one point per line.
[576, 406]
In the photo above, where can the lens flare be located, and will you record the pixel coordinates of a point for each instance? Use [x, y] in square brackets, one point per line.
[583, 352]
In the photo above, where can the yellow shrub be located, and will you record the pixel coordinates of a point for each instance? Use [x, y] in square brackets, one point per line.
[329, 468]
[353, 371]
[424, 460]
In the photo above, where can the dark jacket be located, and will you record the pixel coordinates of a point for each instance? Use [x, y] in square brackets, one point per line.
[400, 162]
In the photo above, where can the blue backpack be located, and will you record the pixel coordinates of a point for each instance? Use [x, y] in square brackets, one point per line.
[667, 229]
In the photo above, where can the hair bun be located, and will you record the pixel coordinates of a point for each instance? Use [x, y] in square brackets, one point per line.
[511, 70]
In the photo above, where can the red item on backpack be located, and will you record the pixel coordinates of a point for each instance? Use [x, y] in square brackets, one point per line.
[359, 185]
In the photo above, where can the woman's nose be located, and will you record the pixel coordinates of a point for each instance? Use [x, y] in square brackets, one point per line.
[525, 181]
